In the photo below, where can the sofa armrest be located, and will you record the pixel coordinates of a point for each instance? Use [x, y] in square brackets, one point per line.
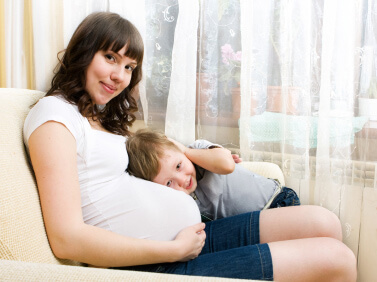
[269, 170]
[27, 271]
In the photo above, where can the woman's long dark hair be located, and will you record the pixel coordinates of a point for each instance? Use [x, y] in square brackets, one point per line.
[100, 31]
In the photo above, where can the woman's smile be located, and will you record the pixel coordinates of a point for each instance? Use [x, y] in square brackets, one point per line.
[110, 89]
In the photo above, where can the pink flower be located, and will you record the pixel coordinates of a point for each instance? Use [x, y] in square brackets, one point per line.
[232, 64]
[228, 54]
[237, 56]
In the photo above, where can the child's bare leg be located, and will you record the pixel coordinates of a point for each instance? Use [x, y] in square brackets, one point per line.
[312, 259]
[298, 222]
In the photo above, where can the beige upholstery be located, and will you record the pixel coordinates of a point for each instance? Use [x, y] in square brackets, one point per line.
[269, 170]
[22, 235]
[13, 270]
[25, 254]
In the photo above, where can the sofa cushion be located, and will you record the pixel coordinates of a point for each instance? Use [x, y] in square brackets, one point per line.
[22, 232]
[269, 170]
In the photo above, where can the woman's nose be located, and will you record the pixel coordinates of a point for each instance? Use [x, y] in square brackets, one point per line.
[118, 74]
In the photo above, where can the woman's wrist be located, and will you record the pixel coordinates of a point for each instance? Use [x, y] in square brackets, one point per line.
[175, 251]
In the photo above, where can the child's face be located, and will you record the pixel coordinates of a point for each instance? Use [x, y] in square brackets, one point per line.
[177, 172]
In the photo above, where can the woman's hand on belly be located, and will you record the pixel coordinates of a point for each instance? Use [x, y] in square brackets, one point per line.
[190, 242]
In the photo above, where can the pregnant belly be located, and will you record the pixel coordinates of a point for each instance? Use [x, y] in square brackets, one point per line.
[141, 209]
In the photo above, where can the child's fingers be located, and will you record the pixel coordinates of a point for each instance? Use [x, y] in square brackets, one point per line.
[236, 158]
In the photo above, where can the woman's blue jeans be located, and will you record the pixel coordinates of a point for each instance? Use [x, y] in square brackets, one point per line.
[231, 250]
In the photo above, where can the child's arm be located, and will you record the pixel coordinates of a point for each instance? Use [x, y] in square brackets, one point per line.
[212, 158]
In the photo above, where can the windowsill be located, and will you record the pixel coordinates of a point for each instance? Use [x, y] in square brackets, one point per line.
[364, 146]
[225, 119]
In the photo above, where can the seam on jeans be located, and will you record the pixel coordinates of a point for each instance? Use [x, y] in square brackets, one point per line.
[210, 241]
[261, 261]
[160, 269]
[258, 228]
[250, 223]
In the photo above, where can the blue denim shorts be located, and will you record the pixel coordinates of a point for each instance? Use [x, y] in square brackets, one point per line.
[287, 197]
[231, 250]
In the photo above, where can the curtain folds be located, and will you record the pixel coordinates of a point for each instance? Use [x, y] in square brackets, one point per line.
[290, 82]
[180, 112]
[28, 44]
[15, 65]
[337, 76]
[2, 45]
[48, 33]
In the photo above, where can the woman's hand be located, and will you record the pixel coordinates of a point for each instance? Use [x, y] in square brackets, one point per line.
[191, 241]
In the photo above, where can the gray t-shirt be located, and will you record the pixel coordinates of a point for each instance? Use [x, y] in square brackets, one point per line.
[239, 192]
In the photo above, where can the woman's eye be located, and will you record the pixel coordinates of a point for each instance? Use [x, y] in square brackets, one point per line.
[110, 57]
[130, 68]
[169, 183]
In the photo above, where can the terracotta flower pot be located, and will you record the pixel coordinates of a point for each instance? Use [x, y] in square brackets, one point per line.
[275, 99]
[203, 91]
[236, 103]
[274, 102]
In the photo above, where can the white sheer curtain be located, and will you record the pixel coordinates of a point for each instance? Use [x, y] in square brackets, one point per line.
[274, 80]
[14, 60]
[48, 18]
[76, 11]
[337, 86]
[294, 99]
[180, 112]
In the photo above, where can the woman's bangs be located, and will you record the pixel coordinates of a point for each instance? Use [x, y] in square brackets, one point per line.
[135, 48]
[113, 43]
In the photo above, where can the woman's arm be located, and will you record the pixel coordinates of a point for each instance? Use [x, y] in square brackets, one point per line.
[53, 155]
[217, 160]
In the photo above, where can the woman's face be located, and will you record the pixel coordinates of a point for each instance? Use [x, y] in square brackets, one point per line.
[108, 75]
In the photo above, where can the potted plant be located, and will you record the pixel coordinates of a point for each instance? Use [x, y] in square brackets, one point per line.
[230, 74]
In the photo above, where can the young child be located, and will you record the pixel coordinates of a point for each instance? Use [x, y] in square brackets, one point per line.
[205, 171]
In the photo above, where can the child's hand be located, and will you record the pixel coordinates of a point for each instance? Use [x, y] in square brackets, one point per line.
[182, 147]
[236, 158]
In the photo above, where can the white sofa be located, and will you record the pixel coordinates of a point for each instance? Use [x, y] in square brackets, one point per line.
[25, 254]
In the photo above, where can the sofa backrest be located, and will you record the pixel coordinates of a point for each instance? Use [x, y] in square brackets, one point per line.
[22, 233]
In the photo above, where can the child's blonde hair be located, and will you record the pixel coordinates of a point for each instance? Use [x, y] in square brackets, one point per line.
[145, 148]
